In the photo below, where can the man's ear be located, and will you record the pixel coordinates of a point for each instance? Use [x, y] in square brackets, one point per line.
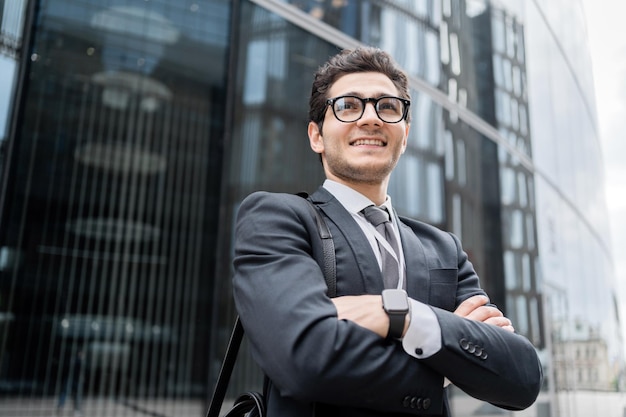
[406, 137]
[315, 138]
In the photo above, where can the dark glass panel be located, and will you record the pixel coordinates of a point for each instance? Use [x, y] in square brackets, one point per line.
[270, 147]
[109, 229]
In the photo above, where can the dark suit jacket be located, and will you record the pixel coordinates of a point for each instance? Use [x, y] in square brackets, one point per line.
[315, 361]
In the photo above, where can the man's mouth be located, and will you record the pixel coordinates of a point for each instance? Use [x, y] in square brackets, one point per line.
[368, 142]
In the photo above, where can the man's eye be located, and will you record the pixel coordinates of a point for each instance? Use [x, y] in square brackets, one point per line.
[346, 104]
[389, 105]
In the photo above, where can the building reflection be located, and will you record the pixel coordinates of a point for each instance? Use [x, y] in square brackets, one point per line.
[582, 360]
[138, 127]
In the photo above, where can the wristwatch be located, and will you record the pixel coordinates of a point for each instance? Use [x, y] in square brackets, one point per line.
[396, 305]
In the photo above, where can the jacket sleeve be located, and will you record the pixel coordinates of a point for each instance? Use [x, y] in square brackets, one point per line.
[292, 325]
[488, 363]
[485, 361]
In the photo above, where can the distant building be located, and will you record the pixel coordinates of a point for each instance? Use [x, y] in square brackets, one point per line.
[581, 360]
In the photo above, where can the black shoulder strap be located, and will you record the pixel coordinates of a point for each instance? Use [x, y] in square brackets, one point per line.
[226, 370]
[330, 275]
[328, 246]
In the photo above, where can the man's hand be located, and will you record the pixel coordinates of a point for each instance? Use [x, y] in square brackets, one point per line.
[365, 310]
[474, 308]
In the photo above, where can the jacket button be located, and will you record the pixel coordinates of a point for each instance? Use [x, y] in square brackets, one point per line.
[479, 351]
[419, 351]
[484, 355]
[406, 402]
[426, 403]
[416, 403]
[471, 348]
[464, 344]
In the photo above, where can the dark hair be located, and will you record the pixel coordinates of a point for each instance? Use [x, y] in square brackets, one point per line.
[361, 59]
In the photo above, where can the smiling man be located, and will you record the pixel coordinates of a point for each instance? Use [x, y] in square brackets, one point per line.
[409, 316]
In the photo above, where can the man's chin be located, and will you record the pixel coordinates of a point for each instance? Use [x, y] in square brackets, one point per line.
[365, 175]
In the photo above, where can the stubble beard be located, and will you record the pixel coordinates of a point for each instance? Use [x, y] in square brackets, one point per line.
[350, 173]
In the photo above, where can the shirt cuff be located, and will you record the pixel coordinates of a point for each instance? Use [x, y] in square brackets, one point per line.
[423, 337]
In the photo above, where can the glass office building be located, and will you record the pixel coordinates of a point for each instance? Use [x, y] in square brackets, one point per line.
[130, 130]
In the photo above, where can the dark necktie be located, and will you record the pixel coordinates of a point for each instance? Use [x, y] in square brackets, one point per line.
[379, 217]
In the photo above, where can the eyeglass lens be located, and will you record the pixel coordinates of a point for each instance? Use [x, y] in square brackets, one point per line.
[351, 108]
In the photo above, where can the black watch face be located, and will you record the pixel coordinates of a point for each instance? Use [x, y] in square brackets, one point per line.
[395, 301]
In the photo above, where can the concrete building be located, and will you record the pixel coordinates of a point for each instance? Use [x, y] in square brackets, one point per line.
[581, 360]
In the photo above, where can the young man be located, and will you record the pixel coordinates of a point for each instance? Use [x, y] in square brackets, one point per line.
[363, 354]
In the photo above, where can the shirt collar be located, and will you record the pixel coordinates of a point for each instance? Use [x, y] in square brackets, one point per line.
[352, 200]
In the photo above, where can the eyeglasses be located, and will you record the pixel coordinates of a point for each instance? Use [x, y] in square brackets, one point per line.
[349, 109]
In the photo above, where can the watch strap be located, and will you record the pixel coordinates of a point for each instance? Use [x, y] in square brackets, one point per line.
[396, 325]
[396, 305]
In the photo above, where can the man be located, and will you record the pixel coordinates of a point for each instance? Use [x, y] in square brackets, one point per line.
[355, 355]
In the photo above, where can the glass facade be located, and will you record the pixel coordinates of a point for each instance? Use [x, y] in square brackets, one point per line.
[580, 306]
[137, 127]
[111, 205]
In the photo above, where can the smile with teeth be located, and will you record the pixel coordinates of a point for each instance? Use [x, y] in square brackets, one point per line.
[370, 142]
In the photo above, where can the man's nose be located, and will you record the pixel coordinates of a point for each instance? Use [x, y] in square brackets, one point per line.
[369, 113]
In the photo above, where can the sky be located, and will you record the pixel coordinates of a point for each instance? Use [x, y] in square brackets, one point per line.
[605, 21]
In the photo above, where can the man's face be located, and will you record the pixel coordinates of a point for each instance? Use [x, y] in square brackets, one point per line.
[364, 151]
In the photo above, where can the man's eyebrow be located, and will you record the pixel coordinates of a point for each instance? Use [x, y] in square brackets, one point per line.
[357, 94]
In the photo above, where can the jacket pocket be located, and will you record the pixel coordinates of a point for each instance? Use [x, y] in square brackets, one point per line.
[443, 283]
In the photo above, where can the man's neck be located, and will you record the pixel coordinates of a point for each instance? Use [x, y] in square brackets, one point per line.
[377, 193]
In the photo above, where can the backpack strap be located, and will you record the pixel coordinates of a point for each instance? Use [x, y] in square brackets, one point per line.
[328, 246]
[251, 400]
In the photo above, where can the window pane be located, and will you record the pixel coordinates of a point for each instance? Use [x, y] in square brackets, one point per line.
[111, 240]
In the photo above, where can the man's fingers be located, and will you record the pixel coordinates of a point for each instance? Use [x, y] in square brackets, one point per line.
[484, 313]
[499, 321]
[474, 308]
[471, 304]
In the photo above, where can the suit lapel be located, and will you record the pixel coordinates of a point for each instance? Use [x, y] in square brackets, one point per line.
[417, 276]
[353, 251]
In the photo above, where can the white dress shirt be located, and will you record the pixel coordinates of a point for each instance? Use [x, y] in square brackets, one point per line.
[423, 337]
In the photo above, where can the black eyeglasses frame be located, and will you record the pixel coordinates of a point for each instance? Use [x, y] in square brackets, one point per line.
[374, 100]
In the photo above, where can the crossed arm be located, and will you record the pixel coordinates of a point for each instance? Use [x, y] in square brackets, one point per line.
[367, 311]
[308, 353]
